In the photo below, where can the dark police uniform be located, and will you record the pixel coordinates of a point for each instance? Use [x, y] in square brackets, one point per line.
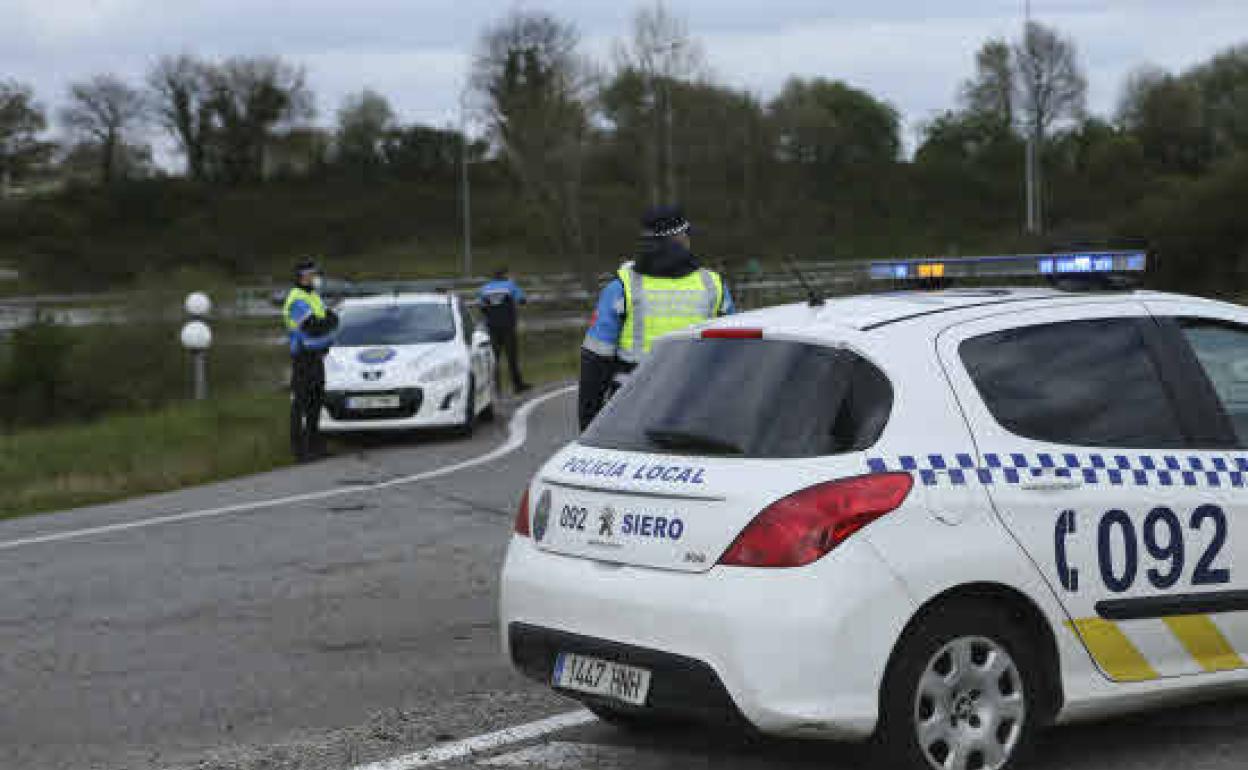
[499, 300]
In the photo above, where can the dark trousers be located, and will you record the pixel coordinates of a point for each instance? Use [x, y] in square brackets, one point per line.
[307, 388]
[503, 339]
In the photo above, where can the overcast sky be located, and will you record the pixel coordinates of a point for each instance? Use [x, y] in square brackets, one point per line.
[912, 53]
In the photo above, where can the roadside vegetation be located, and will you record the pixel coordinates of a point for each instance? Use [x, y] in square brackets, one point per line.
[138, 435]
[128, 454]
[570, 149]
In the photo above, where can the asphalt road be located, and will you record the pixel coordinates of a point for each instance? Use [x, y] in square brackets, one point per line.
[354, 627]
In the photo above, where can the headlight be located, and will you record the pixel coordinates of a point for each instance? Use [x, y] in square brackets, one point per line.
[444, 371]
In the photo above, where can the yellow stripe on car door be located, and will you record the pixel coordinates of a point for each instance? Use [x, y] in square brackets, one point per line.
[1205, 642]
[1113, 651]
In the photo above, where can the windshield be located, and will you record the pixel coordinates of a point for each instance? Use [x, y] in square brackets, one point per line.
[396, 325]
[746, 398]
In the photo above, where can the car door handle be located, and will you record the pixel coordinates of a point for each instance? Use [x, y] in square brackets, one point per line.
[1050, 483]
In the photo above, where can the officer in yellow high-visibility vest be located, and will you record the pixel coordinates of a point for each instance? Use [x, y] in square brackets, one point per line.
[663, 290]
[310, 328]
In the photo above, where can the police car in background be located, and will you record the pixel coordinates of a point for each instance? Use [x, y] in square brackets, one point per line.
[943, 518]
[412, 360]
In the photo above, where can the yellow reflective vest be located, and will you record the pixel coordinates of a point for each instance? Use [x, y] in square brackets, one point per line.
[658, 306]
[298, 339]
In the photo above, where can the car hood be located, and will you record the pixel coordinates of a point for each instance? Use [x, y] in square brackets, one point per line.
[374, 356]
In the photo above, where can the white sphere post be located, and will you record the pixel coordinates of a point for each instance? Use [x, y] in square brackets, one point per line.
[197, 338]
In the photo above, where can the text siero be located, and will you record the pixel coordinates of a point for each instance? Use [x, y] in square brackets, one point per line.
[646, 525]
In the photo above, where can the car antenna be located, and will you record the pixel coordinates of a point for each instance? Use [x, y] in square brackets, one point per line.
[813, 298]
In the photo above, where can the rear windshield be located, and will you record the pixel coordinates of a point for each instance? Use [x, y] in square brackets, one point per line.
[396, 325]
[748, 398]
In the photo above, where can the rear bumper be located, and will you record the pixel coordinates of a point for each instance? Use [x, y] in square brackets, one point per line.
[798, 652]
[681, 687]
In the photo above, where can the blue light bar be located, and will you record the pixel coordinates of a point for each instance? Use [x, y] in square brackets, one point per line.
[1022, 265]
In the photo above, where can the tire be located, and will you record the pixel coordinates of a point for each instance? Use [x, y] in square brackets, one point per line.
[487, 414]
[967, 679]
[470, 410]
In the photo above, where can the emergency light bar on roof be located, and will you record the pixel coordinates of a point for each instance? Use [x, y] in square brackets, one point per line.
[1023, 265]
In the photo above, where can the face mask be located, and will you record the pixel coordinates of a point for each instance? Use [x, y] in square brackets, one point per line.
[318, 283]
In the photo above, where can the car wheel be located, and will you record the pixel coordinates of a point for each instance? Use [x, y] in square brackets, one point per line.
[470, 409]
[962, 693]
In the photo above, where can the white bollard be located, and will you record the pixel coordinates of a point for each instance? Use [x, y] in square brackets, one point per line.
[197, 338]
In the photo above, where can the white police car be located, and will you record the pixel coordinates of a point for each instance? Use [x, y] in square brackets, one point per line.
[944, 518]
[410, 360]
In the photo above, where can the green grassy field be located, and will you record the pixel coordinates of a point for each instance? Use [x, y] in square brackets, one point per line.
[183, 444]
[131, 454]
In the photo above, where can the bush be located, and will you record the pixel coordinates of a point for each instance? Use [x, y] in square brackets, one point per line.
[32, 382]
[1198, 231]
[56, 374]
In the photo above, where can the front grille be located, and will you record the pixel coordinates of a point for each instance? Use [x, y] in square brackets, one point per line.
[680, 687]
[410, 400]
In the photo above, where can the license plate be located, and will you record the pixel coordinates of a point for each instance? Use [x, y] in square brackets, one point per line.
[373, 402]
[602, 677]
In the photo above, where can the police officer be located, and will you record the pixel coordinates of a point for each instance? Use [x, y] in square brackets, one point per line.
[663, 290]
[499, 299]
[310, 327]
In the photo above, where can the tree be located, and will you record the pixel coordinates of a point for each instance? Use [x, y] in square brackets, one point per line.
[1051, 88]
[22, 120]
[1223, 85]
[364, 120]
[831, 125]
[1165, 114]
[422, 152]
[660, 54]
[249, 98]
[534, 89]
[104, 111]
[990, 94]
[180, 95]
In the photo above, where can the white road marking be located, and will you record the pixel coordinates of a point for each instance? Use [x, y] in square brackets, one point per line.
[517, 435]
[480, 744]
[562, 755]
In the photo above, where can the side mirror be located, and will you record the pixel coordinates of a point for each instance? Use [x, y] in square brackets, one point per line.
[480, 339]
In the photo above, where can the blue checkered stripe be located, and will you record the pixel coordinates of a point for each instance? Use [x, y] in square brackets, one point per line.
[1142, 470]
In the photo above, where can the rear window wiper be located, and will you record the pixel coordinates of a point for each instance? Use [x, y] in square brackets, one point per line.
[690, 441]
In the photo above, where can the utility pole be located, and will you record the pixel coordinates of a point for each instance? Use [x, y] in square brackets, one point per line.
[671, 155]
[465, 191]
[663, 184]
[1032, 160]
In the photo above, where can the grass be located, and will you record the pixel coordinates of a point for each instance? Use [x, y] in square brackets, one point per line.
[549, 356]
[125, 455]
[184, 444]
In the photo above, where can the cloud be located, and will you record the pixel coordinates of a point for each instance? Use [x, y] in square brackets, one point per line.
[911, 53]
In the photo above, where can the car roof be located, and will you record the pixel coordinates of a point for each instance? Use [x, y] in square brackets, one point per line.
[403, 298]
[866, 312]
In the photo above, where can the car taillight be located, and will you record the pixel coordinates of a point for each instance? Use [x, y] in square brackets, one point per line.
[806, 525]
[522, 516]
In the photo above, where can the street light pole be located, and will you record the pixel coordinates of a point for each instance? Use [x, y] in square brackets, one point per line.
[1032, 150]
[465, 190]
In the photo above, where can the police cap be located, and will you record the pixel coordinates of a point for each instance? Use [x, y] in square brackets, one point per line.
[664, 222]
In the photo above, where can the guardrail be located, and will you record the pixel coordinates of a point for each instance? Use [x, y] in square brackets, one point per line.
[549, 294]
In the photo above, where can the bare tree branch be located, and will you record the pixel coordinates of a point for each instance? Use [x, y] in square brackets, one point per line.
[104, 110]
